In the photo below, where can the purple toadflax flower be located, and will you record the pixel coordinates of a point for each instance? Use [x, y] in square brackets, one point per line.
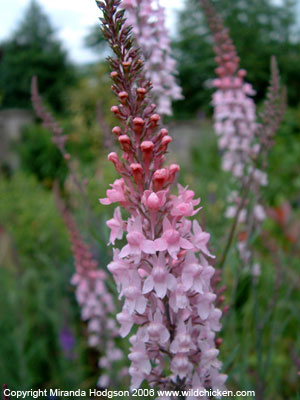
[162, 272]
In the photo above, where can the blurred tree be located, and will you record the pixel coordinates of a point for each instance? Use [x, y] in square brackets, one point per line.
[259, 29]
[34, 50]
[96, 41]
[39, 156]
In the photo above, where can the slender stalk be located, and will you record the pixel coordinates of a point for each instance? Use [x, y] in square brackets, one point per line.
[59, 140]
[235, 224]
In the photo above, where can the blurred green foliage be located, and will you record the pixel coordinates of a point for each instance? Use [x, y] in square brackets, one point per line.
[34, 50]
[91, 100]
[39, 156]
[35, 301]
[284, 162]
[96, 41]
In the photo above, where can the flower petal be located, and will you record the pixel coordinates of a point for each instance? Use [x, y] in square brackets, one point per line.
[148, 247]
[148, 285]
[160, 244]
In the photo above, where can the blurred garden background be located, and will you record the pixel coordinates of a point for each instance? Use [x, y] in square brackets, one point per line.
[43, 341]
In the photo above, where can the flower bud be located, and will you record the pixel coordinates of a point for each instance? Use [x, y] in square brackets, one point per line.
[137, 172]
[165, 142]
[113, 157]
[173, 169]
[115, 110]
[242, 73]
[220, 71]
[147, 150]
[160, 178]
[217, 83]
[117, 131]
[164, 132]
[125, 143]
[221, 299]
[231, 67]
[153, 202]
[141, 92]
[123, 96]
[113, 74]
[154, 119]
[126, 65]
[139, 124]
[138, 121]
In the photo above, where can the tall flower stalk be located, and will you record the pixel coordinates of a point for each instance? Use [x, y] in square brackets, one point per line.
[60, 139]
[147, 18]
[245, 138]
[96, 302]
[162, 273]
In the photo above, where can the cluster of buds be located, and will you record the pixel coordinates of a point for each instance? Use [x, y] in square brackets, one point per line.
[96, 303]
[163, 271]
[243, 140]
[147, 18]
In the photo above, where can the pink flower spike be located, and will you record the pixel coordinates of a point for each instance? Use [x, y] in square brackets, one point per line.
[134, 300]
[201, 239]
[154, 200]
[137, 377]
[178, 299]
[160, 178]
[180, 365]
[183, 341]
[183, 205]
[214, 320]
[116, 225]
[183, 209]
[194, 276]
[171, 240]
[114, 158]
[137, 243]
[160, 280]
[96, 302]
[119, 268]
[161, 273]
[157, 330]
[139, 356]
[205, 304]
[116, 194]
[126, 322]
